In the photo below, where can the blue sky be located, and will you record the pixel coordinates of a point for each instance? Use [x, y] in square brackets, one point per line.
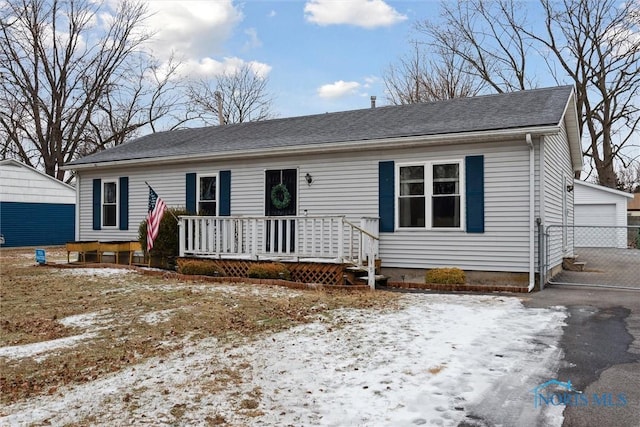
[319, 55]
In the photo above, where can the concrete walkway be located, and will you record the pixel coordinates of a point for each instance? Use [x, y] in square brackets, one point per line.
[605, 266]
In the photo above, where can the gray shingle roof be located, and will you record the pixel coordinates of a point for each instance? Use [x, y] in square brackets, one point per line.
[538, 107]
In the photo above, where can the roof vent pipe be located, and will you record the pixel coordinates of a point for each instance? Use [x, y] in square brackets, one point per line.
[219, 103]
[373, 101]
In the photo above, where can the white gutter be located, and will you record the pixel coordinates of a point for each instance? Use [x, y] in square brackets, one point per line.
[532, 208]
[335, 147]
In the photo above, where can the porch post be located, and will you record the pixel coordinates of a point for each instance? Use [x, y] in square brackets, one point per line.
[341, 239]
[181, 235]
[254, 238]
[371, 264]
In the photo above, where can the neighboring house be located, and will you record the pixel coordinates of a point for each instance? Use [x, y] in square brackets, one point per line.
[35, 208]
[449, 183]
[633, 206]
[600, 215]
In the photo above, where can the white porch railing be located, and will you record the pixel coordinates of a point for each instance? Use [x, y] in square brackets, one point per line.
[309, 238]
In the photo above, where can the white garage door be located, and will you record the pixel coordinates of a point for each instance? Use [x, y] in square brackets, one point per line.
[595, 215]
[594, 219]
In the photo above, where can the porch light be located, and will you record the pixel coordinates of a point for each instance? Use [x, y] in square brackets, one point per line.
[309, 178]
[569, 188]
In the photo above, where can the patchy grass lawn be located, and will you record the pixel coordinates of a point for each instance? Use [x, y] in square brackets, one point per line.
[62, 327]
[110, 346]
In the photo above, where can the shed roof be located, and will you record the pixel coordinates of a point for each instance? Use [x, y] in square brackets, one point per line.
[515, 110]
[603, 189]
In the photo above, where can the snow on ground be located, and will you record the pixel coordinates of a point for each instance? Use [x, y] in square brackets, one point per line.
[438, 360]
[97, 272]
[39, 348]
[87, 320]
[159, 316]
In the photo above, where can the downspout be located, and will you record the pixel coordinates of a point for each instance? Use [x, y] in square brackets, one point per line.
[532, 208]
[77, 209]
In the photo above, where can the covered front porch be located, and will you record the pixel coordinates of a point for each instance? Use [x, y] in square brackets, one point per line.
[300, 239]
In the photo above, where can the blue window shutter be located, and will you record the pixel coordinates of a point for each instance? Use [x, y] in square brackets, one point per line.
[191, 193]
[474, 171]
[224, 208]
[124, 203]
[97, 201]
[386, 196]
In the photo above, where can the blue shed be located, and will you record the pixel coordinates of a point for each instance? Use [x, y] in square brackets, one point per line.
[35, 208]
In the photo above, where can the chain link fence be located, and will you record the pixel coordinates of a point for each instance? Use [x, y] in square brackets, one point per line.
[593, 255]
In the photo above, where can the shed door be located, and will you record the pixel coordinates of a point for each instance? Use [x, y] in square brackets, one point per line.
[592, 221]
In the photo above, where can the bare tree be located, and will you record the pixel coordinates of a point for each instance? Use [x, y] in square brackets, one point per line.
[419, 79]
[244, 97]
[597, 45]
[593, 44]
[74, 79]
[629, 179]
[481, 34]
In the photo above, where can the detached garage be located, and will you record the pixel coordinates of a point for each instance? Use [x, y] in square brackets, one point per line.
[35, 209]
[597, 211]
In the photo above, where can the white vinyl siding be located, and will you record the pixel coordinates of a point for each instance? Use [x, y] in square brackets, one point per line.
[504, 244]
[21, 183]
[557, 167]
[347, 184]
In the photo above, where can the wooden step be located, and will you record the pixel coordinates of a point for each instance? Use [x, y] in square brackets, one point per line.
[379, 279]
[571, 264]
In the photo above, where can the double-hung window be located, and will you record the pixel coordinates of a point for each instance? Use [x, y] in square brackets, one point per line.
[445, 197]
[207, 195]
[411, 198]
[109, 204]
[430, 195]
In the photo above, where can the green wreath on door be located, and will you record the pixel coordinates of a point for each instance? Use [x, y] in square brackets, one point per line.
[280, 196]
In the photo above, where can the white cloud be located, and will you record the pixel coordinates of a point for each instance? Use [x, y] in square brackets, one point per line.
[338, 89]
[208, 67]
[272, 14]
[361, 13]
[254, 41]
[191, 28]
[369, 81]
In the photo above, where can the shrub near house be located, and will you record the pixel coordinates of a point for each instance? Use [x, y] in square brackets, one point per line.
[165, 247]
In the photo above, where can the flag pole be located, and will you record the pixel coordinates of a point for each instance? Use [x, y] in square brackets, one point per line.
[168, 210]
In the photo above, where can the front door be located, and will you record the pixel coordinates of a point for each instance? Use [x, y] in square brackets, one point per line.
[281, 199]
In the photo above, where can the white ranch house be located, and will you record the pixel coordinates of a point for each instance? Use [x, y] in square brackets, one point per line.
[456, 183]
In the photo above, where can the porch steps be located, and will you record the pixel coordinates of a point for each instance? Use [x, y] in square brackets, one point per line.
[379, 279]
[356, 275]
[572, 264]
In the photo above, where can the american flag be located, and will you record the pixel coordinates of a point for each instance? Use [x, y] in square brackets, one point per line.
[156, 210]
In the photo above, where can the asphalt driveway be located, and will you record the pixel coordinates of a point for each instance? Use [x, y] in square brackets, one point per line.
[601, 345]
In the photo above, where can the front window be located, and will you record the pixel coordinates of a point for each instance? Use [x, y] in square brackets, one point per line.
[207, 202]
[109, 204]
[411, 199]
[430, 195]
[445, 199]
